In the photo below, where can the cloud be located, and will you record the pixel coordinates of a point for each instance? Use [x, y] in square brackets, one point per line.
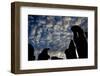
[53, 31]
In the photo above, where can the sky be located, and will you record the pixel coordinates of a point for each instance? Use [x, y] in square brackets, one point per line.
[53, 32]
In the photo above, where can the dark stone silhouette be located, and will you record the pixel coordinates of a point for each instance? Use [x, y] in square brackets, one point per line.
[86, 34]
[44, 55]
[55, 58]
[80, 42]
[70, 52]
[31, 52]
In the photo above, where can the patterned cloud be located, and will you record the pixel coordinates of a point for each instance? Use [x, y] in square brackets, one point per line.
[53, 32]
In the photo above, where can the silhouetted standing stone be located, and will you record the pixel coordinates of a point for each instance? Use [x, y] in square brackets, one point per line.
[86, 34]
[44, 55]
[80, 42]
[31, 52]
[70, 52]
